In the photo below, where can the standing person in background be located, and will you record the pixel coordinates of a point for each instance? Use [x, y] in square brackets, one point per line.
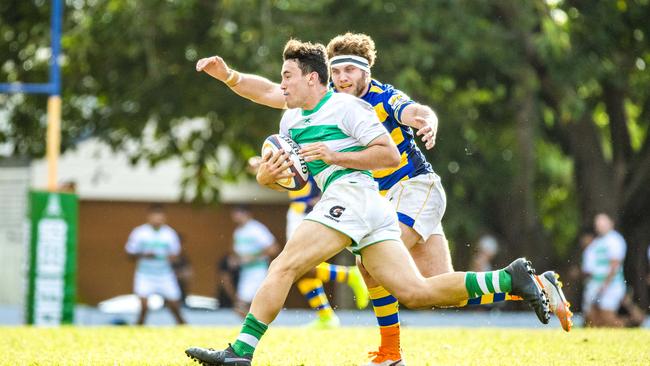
[602, 262]
[254, 246]
[155, 246]
[487, 250]
[488, 247]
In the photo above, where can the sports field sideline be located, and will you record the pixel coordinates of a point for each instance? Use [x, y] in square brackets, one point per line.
[88, 315]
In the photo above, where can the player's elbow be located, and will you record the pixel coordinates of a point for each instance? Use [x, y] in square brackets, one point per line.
[392, 157]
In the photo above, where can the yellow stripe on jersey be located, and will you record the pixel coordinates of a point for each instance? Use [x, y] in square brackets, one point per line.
[381, 112]
[298, 207]
[375, 89]
[380, 173]
[385, 191]
[303, 192]
[397, 135]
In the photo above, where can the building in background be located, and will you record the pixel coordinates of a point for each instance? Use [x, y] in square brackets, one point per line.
[14, 185]
[113, 197]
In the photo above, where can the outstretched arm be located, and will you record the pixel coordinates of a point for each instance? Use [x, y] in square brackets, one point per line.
[424, 120]
[256, 88]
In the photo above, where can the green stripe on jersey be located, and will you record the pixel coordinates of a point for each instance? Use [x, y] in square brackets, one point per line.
[318, 133]
[339, 173]
[353, 148]
[317, 166]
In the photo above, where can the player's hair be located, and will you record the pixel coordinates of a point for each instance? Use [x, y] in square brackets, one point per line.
[242, 207]
[311, 57]
[156, 207]
[357, 44]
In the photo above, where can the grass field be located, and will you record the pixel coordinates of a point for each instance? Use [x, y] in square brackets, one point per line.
[346, 346]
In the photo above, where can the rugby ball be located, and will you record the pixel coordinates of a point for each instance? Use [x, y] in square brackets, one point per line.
[277, 142]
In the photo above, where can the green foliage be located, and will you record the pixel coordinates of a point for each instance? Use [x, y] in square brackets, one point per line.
[129, 79]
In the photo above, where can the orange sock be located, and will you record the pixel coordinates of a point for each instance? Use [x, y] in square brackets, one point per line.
[390, 340]
[386, 310]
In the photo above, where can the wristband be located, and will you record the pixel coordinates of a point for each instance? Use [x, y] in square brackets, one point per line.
[233, 79]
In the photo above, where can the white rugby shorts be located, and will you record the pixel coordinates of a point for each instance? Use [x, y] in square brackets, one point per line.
[250, 280]
[420, 203]
[610, 300]
[293, 220]
[166, 285]
[354, 207]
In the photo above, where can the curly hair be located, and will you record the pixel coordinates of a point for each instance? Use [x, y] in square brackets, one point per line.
[311, 57]
[357, 44]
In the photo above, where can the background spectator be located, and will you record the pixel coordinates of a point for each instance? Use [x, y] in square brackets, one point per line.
[254, 245]
[602, 263]
[487, 248]
[155, 245]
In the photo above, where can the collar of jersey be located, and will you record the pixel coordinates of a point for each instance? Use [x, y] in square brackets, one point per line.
[325, 98]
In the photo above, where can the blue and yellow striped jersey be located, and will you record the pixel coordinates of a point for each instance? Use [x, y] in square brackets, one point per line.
[389, 103]
[302, 201]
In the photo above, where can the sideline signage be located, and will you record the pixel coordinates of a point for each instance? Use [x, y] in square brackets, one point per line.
[52, 260]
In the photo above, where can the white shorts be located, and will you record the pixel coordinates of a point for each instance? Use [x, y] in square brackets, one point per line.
[250, 280]
[353, 206]
[163, 285]
[420, 203]
[610, 299]
[293, 220]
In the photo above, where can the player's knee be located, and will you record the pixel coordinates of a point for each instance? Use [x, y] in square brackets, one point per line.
[284, 267]
[367, 278]
[411, 297]
[410, 301]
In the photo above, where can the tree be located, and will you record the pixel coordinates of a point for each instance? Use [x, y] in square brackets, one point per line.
[544, 105]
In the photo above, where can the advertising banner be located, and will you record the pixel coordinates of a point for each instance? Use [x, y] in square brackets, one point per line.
[52, 261]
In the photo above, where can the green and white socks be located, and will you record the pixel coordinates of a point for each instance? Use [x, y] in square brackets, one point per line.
[250, 335]
[481, 283]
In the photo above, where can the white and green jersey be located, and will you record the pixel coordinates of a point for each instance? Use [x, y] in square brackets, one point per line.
[162, 242]
[597, 256]
[250, 240]
[341, 121]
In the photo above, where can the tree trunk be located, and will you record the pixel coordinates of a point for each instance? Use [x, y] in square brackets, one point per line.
[519, 219]
[594, 183]
[635, 227]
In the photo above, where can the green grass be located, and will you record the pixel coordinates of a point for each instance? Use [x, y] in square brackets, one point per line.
[346, 346]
